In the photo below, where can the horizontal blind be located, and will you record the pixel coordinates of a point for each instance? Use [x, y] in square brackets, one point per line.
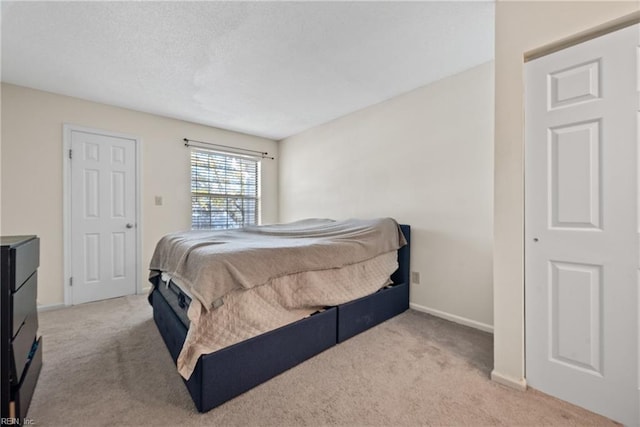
[224, 191]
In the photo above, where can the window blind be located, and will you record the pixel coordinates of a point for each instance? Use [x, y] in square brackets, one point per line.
[224, 191]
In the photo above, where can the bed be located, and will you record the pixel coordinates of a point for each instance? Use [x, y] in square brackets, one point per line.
[216, 376]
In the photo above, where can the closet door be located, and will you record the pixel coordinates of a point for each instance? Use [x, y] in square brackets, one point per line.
[581, 224]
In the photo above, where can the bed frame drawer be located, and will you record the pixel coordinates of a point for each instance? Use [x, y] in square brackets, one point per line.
[173, 331]
[229, 372]
[247, 364]
[177, 299]
[359, 315]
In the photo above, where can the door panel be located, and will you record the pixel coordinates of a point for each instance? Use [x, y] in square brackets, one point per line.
[574, 157]
[576, 296]
[581, 222]
[103, 208]
[574, 85]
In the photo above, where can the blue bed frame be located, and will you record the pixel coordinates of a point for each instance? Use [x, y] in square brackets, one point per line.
[227, 373]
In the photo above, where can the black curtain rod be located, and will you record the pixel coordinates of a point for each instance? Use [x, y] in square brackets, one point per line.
[262, 154]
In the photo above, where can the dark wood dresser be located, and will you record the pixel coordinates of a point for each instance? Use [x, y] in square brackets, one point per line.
[21, 355]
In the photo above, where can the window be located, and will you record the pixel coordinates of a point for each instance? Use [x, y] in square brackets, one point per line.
[224, 191]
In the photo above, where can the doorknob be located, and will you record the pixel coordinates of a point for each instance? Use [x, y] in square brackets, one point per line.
[129, 225]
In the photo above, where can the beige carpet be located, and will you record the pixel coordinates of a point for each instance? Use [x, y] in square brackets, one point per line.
[105, 364]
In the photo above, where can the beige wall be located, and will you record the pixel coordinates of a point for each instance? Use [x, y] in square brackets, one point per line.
[32, 164]
[521, 27]
[424, 158]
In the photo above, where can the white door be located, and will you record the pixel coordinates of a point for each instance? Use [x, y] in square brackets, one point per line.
[581, 225]
[103, 214]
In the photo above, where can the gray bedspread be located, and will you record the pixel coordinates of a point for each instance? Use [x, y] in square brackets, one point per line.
[213, 263]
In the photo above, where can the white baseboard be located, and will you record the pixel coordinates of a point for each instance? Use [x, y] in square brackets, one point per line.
[518, 384]
[50, 307]
[453, 317]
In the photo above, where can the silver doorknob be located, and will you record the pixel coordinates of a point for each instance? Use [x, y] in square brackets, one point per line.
[129, 225]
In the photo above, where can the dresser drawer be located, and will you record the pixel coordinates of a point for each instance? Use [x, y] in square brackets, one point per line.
[23, 392]
[27, 260]
[24, 302]
[21, 345]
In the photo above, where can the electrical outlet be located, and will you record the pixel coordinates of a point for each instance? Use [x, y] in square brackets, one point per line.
[415, 277]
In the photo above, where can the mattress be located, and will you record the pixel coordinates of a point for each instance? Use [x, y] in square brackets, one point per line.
[246, 313]
[211, 264]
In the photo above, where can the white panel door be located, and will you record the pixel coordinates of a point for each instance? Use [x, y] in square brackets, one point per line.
[581, 224]
[103, 213]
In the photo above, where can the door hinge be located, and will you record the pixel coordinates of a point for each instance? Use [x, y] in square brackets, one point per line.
[70, 153]
[70, 281]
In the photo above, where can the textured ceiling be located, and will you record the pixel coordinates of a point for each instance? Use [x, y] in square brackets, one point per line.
[271, 69]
